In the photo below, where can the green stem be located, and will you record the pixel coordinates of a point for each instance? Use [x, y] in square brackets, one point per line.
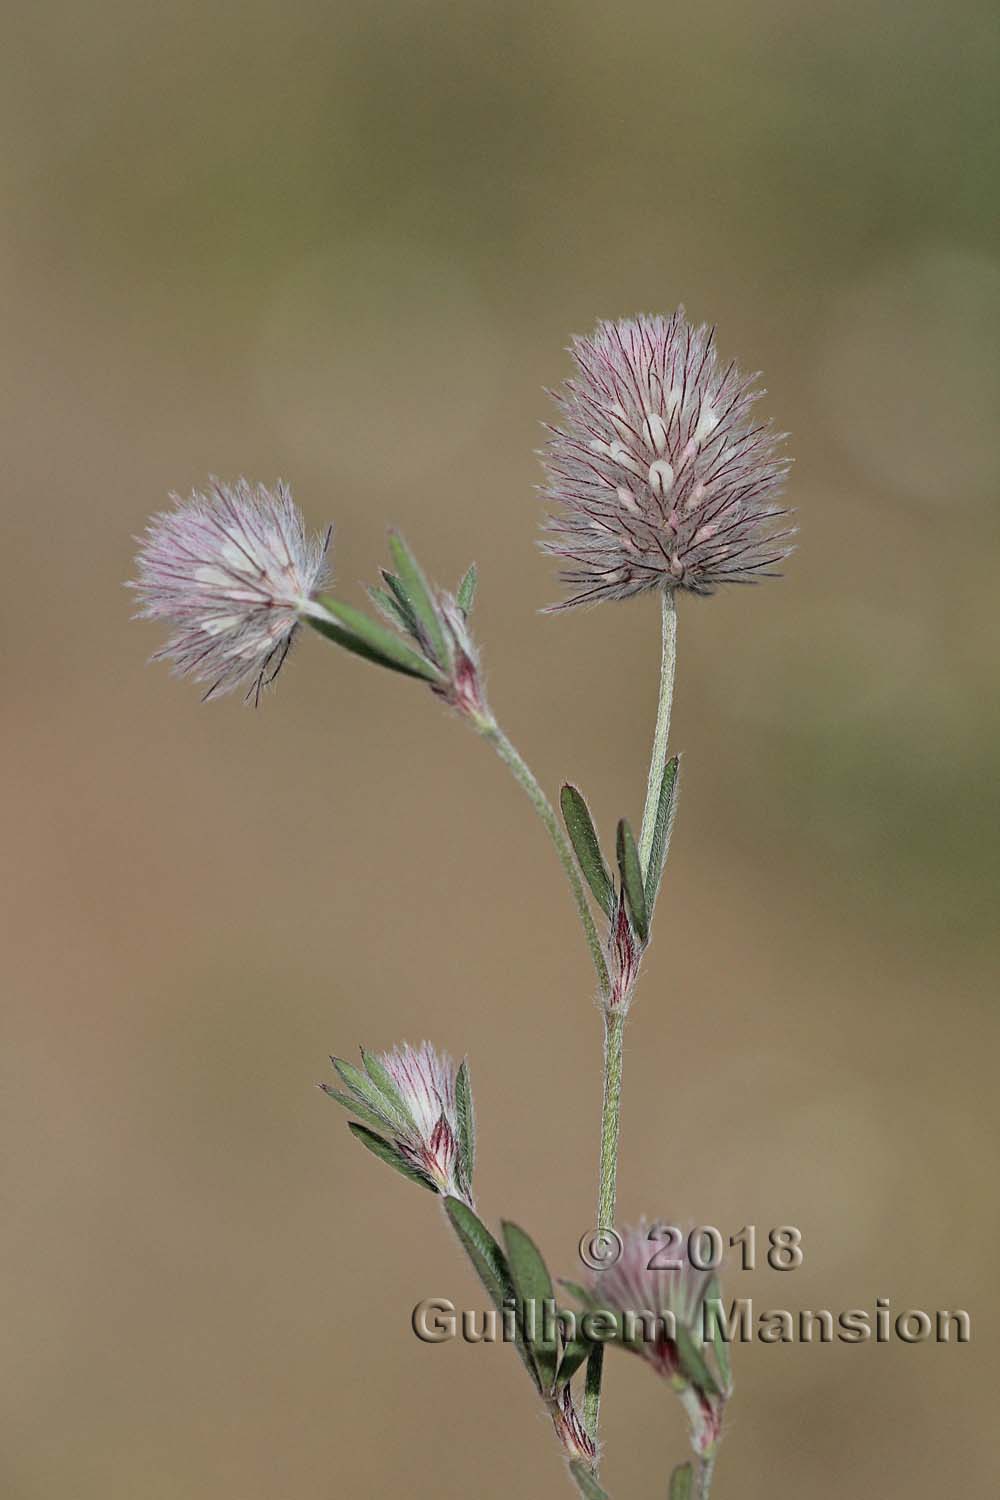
[525, 777]
[661, 734]
[614, 1026]
[611, 1108]
[706, 1468]
[614, 1021]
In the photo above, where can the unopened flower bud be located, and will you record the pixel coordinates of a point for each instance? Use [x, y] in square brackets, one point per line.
[576, 1441]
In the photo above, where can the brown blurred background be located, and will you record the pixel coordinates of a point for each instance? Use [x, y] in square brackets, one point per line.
[348, 245]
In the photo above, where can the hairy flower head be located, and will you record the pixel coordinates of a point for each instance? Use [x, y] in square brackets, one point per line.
[424, 1103]
[658, 1297]
[232, 571]
[654, 1276]
[659, 475]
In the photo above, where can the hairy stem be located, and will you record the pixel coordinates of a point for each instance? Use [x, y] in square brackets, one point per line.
[526, 778]
[614, 1026]
[661, 734]
[706, 1468]
[614, 1021]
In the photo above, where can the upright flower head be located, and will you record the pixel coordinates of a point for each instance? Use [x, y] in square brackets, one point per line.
[425, 1103]
[659, 475]
[232, 571]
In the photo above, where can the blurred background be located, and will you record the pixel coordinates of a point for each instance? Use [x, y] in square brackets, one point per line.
[348, 245]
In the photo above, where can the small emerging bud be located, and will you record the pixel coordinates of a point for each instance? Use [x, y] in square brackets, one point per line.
[233, 571]
[576, 1440]
[464, 689]
[624, 957]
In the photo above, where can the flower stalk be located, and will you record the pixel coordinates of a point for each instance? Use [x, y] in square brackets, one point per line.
[527, 780]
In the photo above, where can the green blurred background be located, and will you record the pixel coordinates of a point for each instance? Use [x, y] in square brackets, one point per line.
[348, 245]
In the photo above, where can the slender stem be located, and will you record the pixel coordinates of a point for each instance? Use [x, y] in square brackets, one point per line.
[614, 1020]
[661, 734]
[706, 1468]
[614, 1026]
[526, 778]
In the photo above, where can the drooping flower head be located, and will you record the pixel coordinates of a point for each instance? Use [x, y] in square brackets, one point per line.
[654, 1276]
[232, 571]
[425, 1103]
[659, 475]
[658, 1298]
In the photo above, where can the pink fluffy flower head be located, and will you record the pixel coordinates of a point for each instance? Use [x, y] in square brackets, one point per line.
[425, 1081]
[232, 571]
[658, 474]
[658, 1296]
[421, 1105]
[654, 1276]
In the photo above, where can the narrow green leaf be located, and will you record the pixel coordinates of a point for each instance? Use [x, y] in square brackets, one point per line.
[574, 1354]
[681, 1481]
[662, 828]
[387, 1153]
[402, 598]
[354, 1105]
[383, 1081]
[362, 1088]
[387, 604]
[586, 1483]
[366, 637]
[710, 1310]
[692, 1363]
[482, 1249]
[490, 1265]
[532, 1284]
[581, 1293]
[466, 1123]
[586, 846]
[631, 873]
[467, 590]
[422, 601]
